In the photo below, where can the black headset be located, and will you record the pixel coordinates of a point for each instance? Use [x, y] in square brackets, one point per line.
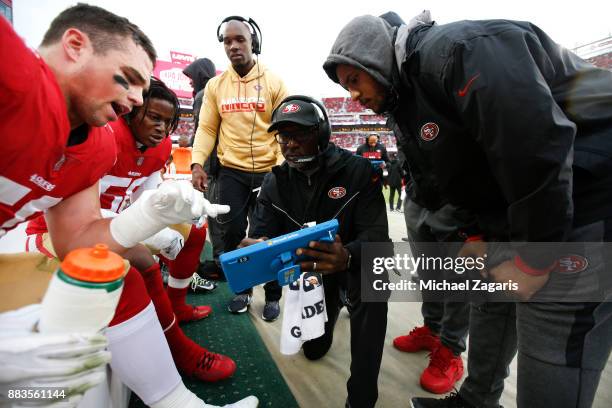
[255, 34]
[323, 125]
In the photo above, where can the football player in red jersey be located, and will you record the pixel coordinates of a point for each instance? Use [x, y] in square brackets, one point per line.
[143, 148]
[92, 67]
[143, 145]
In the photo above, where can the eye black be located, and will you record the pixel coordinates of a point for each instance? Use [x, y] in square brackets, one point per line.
[121, 81]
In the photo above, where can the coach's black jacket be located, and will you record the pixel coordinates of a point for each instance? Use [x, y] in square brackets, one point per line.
[345, 187]
[496, 117]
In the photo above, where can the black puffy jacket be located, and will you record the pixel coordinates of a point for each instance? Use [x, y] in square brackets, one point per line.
[496, 118]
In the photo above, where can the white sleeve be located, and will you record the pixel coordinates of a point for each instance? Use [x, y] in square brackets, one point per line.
[151, 183]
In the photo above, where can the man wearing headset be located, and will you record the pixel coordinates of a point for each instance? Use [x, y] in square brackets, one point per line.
[373, 149]
[237, 108]
[318, 182]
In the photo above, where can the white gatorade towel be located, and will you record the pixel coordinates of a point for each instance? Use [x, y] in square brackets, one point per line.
[304, 314]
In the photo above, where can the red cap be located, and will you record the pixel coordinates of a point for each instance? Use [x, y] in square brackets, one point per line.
[96, 264]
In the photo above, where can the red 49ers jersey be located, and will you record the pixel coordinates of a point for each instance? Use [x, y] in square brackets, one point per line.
[83, 166]
[132, 167]
[375, 155]
[37, 170]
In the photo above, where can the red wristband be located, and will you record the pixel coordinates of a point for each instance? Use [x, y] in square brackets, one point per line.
[473, 238]
[532, 271]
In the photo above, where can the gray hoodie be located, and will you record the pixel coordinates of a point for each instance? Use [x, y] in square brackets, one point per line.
[365, 43]
[200, 71]
[372, 44]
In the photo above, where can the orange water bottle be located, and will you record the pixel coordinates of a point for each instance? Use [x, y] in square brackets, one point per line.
[84, 291]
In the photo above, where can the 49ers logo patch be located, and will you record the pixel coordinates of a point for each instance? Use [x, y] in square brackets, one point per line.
[429, 131]
[291, 108]
[572, 264]
[336, 192]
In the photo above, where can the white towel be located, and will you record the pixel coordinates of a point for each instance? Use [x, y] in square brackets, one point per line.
[304, 313]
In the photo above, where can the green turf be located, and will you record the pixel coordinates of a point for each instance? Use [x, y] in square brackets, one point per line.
[235, 336]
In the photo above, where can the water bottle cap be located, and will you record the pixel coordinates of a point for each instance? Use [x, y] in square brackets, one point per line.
[97, 264]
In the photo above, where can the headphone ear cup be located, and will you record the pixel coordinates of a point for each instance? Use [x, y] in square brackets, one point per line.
[255, 44]
[324, 134]
[323, 125]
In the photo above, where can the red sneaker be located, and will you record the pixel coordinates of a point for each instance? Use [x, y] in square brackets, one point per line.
[419, 338]
[214, 367]
[444, 370]
[192, 313]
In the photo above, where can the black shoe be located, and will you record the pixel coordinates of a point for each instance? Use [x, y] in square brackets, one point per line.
[240, 303]
[201, 285]
[211, 271]
[453, 400]
[271, 311]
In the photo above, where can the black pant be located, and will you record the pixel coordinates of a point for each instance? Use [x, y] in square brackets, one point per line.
[392, 191]
[449, 319]
[236, 190]
[368, 328]
[562, 347]
[214, 229]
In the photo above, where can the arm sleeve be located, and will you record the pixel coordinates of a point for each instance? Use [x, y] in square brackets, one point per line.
[526, 137]
[208, 127]
[280, 94]
[151, 183]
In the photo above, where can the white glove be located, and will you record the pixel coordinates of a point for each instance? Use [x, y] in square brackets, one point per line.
[72, 362]
[173, 202]
[167, 241]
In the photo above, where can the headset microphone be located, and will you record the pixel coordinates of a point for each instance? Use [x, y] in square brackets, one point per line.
[304, 159]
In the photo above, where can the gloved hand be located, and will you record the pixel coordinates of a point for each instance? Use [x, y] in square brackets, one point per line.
[167, 241]
[173, 202]
[72, 362]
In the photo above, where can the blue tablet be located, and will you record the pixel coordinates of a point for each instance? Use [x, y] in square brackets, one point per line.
[274, 259]
[376, 164]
